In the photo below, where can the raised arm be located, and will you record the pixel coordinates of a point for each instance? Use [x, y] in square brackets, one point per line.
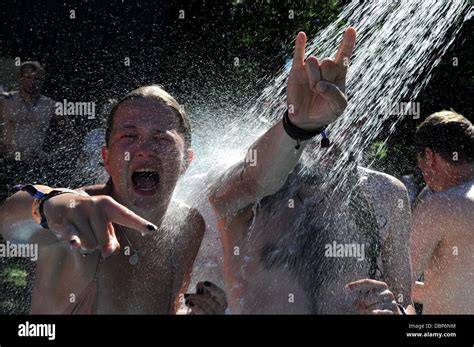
[315, 98]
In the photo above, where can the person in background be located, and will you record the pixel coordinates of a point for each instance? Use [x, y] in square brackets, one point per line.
[442, 241]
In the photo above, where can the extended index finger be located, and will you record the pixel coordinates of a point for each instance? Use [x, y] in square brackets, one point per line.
[366, 285]
[346, 47]
[298, 54]
[117, 213]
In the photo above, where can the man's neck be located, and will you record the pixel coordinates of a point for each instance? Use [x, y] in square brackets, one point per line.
[155, 216]
[458, 176]
[141, 241]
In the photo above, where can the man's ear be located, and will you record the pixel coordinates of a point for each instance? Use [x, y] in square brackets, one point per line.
[105, 156]
[187, 161]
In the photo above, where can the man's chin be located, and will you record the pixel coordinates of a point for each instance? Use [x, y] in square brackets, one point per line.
[144, 199]
[144, 193]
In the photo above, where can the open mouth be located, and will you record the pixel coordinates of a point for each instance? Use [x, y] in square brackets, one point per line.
[145, 181]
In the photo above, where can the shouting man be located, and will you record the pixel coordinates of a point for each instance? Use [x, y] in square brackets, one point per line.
[148, 147]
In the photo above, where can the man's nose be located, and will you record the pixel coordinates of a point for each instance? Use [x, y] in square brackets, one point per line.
[145, 148]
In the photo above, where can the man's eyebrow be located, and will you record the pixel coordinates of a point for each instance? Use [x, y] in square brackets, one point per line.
[128, 126]
[154, 130]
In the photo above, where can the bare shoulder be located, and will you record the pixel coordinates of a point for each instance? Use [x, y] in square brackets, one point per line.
[462, 192]
[188, 217]
[391, 204]
[435, 213]
[448, 205]
[382, 184]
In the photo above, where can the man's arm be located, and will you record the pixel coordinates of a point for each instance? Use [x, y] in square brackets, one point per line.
[427, 232]
[395, 250]
[243, 183]
[315, 96]
[16, 221]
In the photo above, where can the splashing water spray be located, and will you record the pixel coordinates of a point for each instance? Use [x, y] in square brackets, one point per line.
[399, 44]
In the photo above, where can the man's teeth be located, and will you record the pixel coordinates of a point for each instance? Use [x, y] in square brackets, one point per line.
[145, 170]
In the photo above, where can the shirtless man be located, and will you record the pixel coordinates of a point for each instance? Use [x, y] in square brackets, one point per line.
[20, 113]
[442, 242]
[23, 111]
[147, 149]
[280, 252]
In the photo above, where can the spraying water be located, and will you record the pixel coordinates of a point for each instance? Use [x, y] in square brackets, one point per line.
[399, 44]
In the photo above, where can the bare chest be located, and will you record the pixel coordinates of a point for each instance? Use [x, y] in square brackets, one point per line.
[25, 128]
[312, 247]
[17, 113]
[142, 285]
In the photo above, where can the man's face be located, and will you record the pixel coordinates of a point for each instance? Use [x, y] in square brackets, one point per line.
[145, 155]
[427, 167]
[30, 81]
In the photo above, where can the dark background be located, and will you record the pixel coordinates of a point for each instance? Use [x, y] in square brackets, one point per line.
[85, 56]
[194, 57]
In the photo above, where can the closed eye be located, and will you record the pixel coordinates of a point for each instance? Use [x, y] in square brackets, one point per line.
[128, 136]
[164, 138]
